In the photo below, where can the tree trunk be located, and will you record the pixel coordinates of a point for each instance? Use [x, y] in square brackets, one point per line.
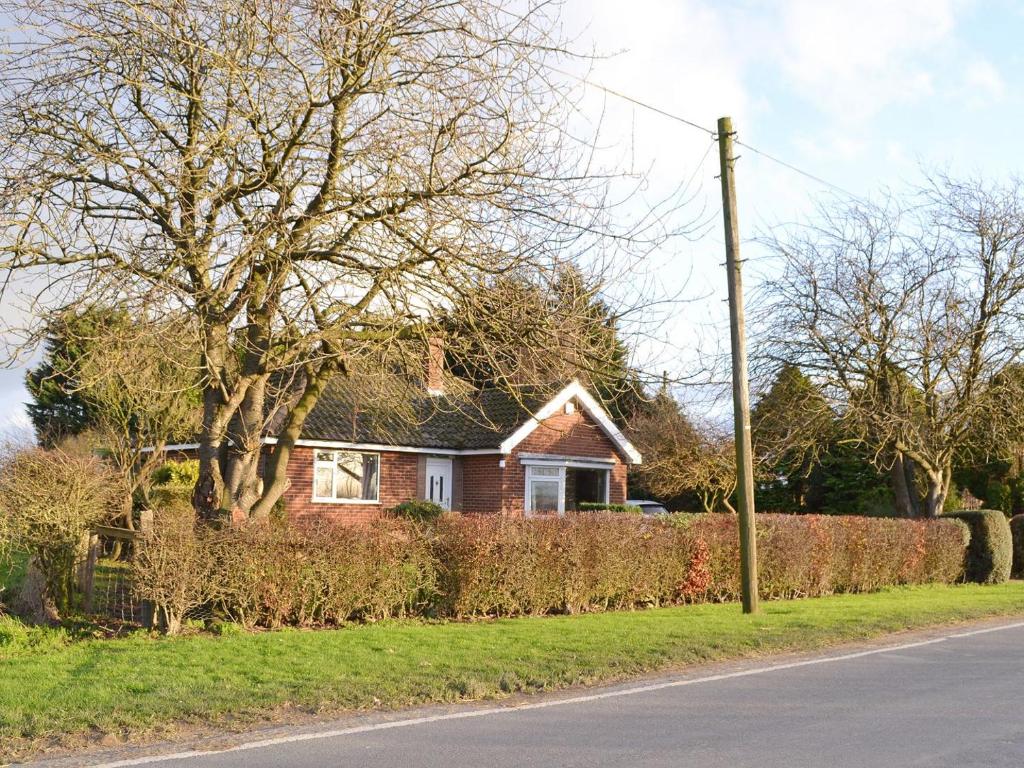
[938, 489]
[241, 471]
[275, 477]
[33, 600]
[902, 477]
[209, 496]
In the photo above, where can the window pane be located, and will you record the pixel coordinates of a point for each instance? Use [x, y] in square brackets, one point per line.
[349, 480]
[355, 476]
[544, 495]
[324, 478]
[545, 471]
[346, 475]
[371, 476]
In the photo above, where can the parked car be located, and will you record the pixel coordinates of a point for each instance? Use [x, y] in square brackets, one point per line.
[648, 507]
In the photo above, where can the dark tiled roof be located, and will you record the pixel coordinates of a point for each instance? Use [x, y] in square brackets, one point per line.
[396, 412]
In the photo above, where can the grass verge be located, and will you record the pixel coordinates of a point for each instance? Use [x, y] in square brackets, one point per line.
[12, 571]
[142, 684]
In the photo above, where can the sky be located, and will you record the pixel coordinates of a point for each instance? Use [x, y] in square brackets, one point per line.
[866, 95]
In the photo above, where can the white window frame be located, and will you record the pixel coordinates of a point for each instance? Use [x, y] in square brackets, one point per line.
[334, 476]
[560, 478]
[565, 463]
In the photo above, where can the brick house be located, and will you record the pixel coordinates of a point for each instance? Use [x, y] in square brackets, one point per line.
[489, 453]
[366, 448]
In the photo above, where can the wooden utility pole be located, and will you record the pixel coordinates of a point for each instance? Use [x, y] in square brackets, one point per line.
[740, 384]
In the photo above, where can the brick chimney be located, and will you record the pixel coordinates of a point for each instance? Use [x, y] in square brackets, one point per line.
[435, 366]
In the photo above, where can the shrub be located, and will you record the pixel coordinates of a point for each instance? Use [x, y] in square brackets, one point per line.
[177, 474]
[507, 566]
[418, 509]
[173, 483]
[990, 552]
[812, 555]
[588, 506]
[496, 566]
[1017, 533]
[173, 565]
[272, 575]
[49, 500]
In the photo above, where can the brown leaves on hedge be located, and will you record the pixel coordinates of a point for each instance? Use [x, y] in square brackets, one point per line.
[272, 575]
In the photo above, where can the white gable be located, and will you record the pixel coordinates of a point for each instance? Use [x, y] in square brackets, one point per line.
[590, 406]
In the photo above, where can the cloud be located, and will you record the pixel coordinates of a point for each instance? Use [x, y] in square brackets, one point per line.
[667, 53]
[853, 59]
[983, 84]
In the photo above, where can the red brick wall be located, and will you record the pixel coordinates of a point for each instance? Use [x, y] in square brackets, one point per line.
[397, 484]
[617, 484]
[570, 434]
[563, 434]
[481, 483]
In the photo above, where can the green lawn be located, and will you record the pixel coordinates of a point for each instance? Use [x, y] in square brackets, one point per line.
[140, 683]
[12, 570]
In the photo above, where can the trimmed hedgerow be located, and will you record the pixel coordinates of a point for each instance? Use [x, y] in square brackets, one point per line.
[272, 575]
[275, 575]
[1017, 534]
[417, 509]
[593, 506]
[508, 566]
[990, 552]
[812, 555]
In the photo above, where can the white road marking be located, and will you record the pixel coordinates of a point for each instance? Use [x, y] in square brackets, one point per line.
[264, 743]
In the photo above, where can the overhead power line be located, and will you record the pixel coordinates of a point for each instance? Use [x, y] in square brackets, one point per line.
[712, 132]
[793, 168]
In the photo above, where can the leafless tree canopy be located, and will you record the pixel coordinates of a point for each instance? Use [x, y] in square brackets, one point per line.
[142, 389]
[682, 457]
[307, 179]
[49, 500]
[905, 319]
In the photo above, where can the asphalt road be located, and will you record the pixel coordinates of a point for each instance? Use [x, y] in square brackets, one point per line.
[947, 700]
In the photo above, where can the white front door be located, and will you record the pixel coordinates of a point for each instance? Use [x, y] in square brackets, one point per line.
[439, 482]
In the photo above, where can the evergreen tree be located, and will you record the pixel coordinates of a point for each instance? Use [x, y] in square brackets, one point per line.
[792, 426]
[564, 330]
[809, 460]
[59, 407]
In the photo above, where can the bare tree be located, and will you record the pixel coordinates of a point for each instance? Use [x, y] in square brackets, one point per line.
[904, 319]
[48, 502]
[141, 383]
[309, 180]
[681, 457]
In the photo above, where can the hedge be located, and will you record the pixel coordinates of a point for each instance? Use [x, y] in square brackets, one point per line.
[416, 509]
[1017, 533]
[273, 574]
[593, 506]
[509, 566]
[813, 555]
[990, 553]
